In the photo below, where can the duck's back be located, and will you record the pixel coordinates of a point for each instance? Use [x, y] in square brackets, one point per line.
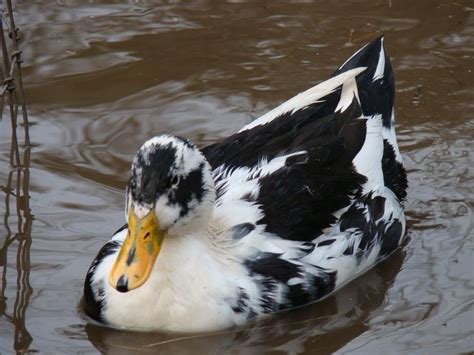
[311, 191]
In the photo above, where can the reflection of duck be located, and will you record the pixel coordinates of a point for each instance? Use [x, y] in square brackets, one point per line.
[321, 328]
[280, 214]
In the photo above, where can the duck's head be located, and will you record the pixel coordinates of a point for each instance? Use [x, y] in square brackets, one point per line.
[170, 193]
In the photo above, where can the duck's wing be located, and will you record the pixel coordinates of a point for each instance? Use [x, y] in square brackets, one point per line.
[375, 82]
[293, 173]
[300, 162]
[276, 132]
[309, 191]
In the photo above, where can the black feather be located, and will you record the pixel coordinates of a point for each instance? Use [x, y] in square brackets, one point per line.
[241, 230]
[326, 242]
[391, 238]
[286, 134]
[241, 303]
[152, 181]
[271, 265]
[189, 189]
[309, 193]
[92, 305]
[394, 173]
[376, 96]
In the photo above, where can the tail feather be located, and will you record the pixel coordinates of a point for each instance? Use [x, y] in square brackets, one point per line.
[376, 89]
[377, 83]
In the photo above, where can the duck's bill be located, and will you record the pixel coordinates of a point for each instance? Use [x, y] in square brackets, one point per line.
[138, 253]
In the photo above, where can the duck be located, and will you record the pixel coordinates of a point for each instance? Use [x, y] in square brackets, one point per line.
[281, 214]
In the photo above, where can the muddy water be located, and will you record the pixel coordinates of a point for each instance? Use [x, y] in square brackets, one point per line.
[102, 76]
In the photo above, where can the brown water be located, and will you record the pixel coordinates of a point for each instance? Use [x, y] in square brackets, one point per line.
[103, 76]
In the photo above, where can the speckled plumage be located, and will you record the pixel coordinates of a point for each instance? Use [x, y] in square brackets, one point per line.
[280, 214]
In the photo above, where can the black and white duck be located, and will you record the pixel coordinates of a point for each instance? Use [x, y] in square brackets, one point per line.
[280, 214]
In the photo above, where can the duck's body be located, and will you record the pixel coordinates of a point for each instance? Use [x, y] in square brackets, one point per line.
[281, 214]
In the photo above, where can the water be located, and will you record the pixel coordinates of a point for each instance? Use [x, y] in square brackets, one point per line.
[103, 76]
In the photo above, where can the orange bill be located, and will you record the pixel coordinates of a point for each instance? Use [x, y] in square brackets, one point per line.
[138, 253]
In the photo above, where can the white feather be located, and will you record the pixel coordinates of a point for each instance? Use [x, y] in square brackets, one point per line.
[380, 64]
[348, 93]
[368, 161]
[306, 98]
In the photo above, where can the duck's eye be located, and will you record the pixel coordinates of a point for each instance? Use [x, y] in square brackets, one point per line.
[175, 181]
